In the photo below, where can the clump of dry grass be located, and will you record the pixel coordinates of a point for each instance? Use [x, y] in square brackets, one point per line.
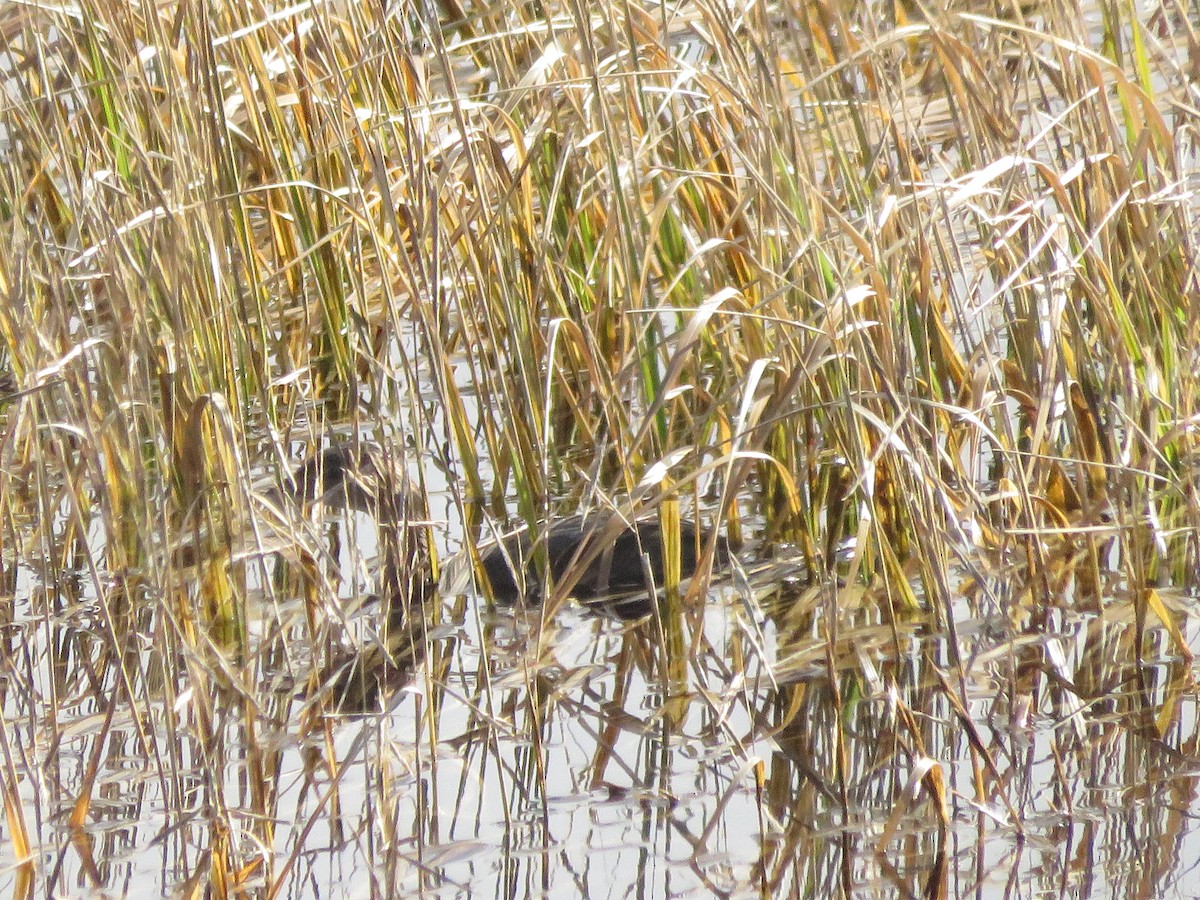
[901, 299]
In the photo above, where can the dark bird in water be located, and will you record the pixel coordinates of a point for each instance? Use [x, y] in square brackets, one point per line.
[616, 564]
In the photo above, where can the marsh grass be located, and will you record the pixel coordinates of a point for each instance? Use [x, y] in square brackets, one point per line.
[902, 300]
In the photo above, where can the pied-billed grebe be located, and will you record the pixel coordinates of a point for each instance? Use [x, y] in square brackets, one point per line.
[616, 564]
[363, 476]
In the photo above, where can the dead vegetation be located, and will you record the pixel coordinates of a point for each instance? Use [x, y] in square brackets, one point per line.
[901, 299]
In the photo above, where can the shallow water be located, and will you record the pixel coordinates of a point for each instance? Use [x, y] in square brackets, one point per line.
[569, 771]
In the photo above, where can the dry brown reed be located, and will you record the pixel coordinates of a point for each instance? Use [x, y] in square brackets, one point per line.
[901, 298]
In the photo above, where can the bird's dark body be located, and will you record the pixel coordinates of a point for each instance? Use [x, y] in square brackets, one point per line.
[618, 562]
